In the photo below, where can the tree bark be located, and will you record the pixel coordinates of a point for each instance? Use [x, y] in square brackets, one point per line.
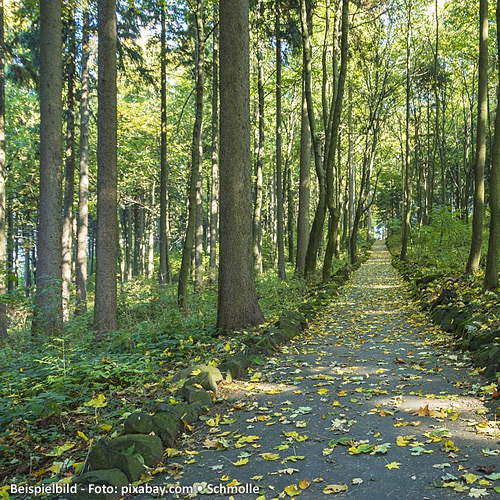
[3, 178]
[279, 181]
[83, 187]
[304, 188]
[48, 313]
[164, 275]
[259, 152]
[189, 240]
[69, 171]
[105, 308]
[482, 114]
[406, 215]
[491, 281]
[214, 198]
[237, 296]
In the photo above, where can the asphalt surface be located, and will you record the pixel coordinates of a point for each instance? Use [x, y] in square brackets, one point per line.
[411, 413]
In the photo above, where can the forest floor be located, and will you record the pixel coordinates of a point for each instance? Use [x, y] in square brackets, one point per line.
[370, 402]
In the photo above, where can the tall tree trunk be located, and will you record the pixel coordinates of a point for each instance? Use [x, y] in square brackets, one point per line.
[482, 114]
[304, 188]
[83, 188]
[279, 181]
[3, 179]
[316, 234]
[11, 266]
[214, 198]
[48, 313]
[105, 308]
[332, 139]
[405, 223]
[259, 153]
[237, 297]
[352, 181]
[187, 249]
[491, 273]
[198, 246]
[164, 275]
[151, 233]
[69, 171]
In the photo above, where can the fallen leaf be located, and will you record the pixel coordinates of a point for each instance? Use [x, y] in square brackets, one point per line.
[292, 490]
[241, 461]
[393, 465]
[335, 488]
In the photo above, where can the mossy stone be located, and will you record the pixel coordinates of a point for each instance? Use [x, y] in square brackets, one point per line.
[196, 396]
[149, 447]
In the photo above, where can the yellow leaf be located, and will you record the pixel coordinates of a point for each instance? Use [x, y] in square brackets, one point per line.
[393, 465]
[342, 393]
[422, 412]
[403, 440]
[262, 497]
[106, 427]
[323, 391]
[256, 377]
[188, 462]
[98, 402]
[225, 477]
[171, 452]
[192, 452]
[449, 445]
[292, 490]
[187, 425]
[4, 495]
[234, 482]
[82, 435]
[270, 456]
[78, 466]
[304, 484]
[195, 372]
[241, 461]
[256, 478]
[335, 488]
[469, 478]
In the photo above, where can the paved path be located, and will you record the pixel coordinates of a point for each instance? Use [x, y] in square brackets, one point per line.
[372, 372]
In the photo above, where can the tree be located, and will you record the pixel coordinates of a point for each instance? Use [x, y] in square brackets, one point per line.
[69, 170]
[164, 271]
[237, 297]
[196, 157]
[491, 272]
[482, 115]
[105, 308]
[83, 185]
[3, 178]
[48, 312]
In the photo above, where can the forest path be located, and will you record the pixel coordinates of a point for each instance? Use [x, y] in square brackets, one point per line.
[373, 370]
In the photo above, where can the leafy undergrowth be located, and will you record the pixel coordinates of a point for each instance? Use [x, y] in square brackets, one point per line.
[58, 397]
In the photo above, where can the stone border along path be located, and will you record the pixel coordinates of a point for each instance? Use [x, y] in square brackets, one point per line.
[369, 403]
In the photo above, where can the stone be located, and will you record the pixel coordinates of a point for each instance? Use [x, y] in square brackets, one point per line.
[196, 396]
[149, 447]
[101, 457]
[477, 341]
[180, 410]
[208, 376]
[295, 316]
[236, 366]
[167, 426]
[107, 477]
[139, 423]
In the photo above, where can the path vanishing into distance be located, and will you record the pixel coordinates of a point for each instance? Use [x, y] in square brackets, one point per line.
[370, 403]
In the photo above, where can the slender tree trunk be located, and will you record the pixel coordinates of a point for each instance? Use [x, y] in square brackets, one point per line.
[405, 225]
[478, 215]
[304, 188]
[198, 247]
[83, 188]
[279, 181]
[316, 234]
[105, 308]
[151, 233]
[214, 198]
[164, 275]
[130, 239]
[491, 273]
[352, 181]
[259, 155]
[69, 171]
[187, 250]
[48, 313]
[3, 179]
[237, 297]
